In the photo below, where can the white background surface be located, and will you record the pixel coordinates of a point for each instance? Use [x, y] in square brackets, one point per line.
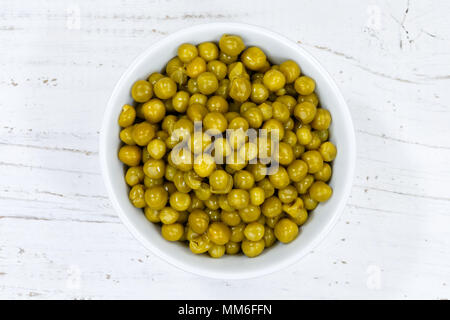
[60, 237]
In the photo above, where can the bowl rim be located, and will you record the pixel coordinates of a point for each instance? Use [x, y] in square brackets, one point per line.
[282, 263]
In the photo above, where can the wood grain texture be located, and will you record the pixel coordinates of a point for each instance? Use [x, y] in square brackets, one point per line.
[60, 237]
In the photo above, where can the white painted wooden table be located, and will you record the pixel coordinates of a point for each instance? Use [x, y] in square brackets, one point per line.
[60, 237]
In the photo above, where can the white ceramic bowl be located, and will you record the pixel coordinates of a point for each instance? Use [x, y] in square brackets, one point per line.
[278, 48]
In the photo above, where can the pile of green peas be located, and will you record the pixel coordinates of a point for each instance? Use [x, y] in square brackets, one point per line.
[224, 209]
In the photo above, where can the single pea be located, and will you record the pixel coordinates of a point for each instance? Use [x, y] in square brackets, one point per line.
[274, 127]
[232, 247]
[152, 215]
[168, 215]
[219, 180]
[196, 67]
[269, 237]
[312, 98]
[204, 192]
[291, 70]
[180, 201]
[314, 161]
[254, 117]
[266, 110]
[136, 196]
[141, 91]
[207, 83]
[286, 230]
[240, 89]
[250, 213]
[230, 218]
[271, 207]
[216, 122]
[274, 80]
[324, 174]
[196, 112]
[172, 232]
[156, 149]
[127, 116]
[216, 251]
[258, 170]
[165, 88]
[285, 154]
[154, 110]
[192, 179]
[243, 180]
[252, 248]
[280, 178]
[321, 120]
[305, 112]
[293, 208]
[303, 185]
[310, 203]
[130, 155]
[219, 233]
[254, 231]
[224, 88]
[200, 244]
[156, 197]
[198, 98]
[259, 93]
[304, 85]
[237, 233]
[149, 182]
[254, 58]
[198, 220]
[290, 138]
[298, 150]
[257, 196]
[155, 76]
[208, 51]
[134, 175]
[204, 165]
[297, 170]
[192, 86]
[180, 101]
[328, 151]
[219, 69]
[288, 194]
[304, 135]
[320, 191]
[226, 58]
[231, 44]
[301, 218]
[322, 134]
[212, 202]
[155, 168]
[238, 198]
[143, 133]
[187, 52]
[217, 104]
[126, 135]
[238, 123]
